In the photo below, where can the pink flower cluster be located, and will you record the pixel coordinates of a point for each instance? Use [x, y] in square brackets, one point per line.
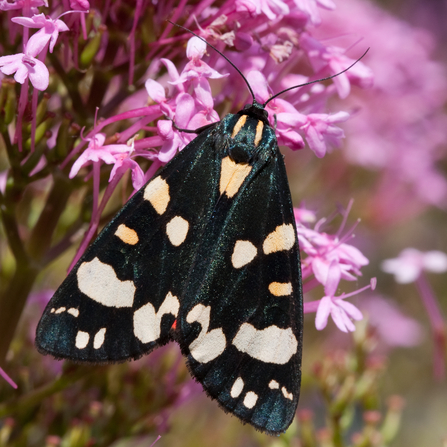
[328, 260]
[399, 128]
[26, 65]
[410, 266]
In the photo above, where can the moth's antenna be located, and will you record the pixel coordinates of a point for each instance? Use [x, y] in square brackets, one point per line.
[317, 80]
[225, 57]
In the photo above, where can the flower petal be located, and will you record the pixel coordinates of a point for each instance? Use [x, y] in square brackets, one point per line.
[324, 308]
[195, 48]
[333, 279]
[350, 309]
[155, 90]
[435, 261]
[39, 75]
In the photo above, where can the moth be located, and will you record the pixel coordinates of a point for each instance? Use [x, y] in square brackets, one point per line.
[205, 254]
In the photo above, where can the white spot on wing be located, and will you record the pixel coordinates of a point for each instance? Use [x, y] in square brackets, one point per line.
[250, 399]
[147, 323]
[283, 238]
[177, 229]
[60, 310]
[208, 345]
[99, 282]
[237, 387]
[286, 394]
[52, 310]
[232, 175]
[273, 385]
[82, 339]
[99, 338]
[280, 288]
[127, 235]
[73, 311]
[157, 192]
[270, 345]
[244, 252]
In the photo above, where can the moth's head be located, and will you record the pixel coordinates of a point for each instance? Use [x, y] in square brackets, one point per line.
[257, 111]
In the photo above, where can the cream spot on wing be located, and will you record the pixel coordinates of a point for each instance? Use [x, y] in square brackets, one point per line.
[259, 129]
[273, 385]
[239, 125]
[99, 282]
[270, 345]
[157, 192]
[208, 345]
[127, 235]
[283, 238]
[237, 387]
[60, 310]
[280, 288]
[232, 175]
[177, 229]
[53, 310]
[99, 338]
[82, 339]
[286, 394]
[243, 253]
[250, 399]
[73, 311]
[147, 322]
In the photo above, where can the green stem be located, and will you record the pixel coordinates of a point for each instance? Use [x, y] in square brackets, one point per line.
[12, 233]
[12, 302]
[36, 396]
[56, 202]
[337, 432]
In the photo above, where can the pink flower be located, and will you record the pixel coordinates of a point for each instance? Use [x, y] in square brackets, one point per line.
[324, 249]
[25, 65]
[120, 155]
[123, 163]
[287, 117]
[333, 58]
[272, 8]
[49, 31]
[310, 8]
[320, 133]
[393, 327]
[96, 151]
[5, 5]
[171, 140]
[157, 93]
[196, 68]
[304, 216]
[341, 311]
[188, 111]
[408, 266]
[3, 180]
[79, 5]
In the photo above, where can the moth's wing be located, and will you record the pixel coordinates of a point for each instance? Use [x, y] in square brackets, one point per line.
[123, 296]
[241, 316]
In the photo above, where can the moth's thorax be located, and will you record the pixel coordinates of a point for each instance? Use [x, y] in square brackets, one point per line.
[249, 134]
